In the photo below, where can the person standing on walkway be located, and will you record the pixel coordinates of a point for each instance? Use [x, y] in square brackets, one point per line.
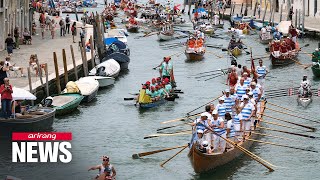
[74, 31]
[291, 13]
[3, 72]
[6, 98]
[62, 27]
[52, 27]
[82, 35]
[16, 36]
[68, 24]
[9, 42]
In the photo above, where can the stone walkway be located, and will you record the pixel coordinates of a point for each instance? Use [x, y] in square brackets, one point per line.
[311, 23]
[44, 49]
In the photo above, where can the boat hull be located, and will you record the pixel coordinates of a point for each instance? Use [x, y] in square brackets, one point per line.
[204, 162]
[38, 123]
[104, 81]
[316, 71]
[194, 56]
[90, 97]
[282, 60]
[164, 37]
[236, 51]
[68, 107]
[121, 58]
[151, 105]
[304, 102]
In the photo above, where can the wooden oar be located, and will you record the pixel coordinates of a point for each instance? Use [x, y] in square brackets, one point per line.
[137, 156]
[207, 75]
[214, 54]
[281, 145]
[162, 164]
[203, 105]
[245, 151]
[297, 134]
[214, 77]
[168, 127]
[128, 99]
[289, 109]
[180, 119]
[282, 125]
[297, 62]
[292, 115]
[164, 134]
[301, 125]
[269, 135]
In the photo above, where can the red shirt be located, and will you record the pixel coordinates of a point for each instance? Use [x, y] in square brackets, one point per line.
[6, 94]
[293, 32]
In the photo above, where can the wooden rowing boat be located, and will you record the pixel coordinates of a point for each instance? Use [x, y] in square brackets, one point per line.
[165, 35]
[194, 56]
[236, 51]
[203, 162]
[284, 60]
[132, 28]
[266, 38]
[304, 102]
[152, 104]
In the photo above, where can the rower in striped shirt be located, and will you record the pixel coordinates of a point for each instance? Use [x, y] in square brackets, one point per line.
[262, 71]
[240, 88]
[221, 108]
[247, 110]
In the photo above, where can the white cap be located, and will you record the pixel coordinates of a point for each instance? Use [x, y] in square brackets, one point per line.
[250, 93]
[227, 90]
[317, 49]
[253, 84]
[215, 112]
[245, 97]
[245, 73]
[205, 143]
[200, 131]
[221, 98]
[49, 97]
[204, 114]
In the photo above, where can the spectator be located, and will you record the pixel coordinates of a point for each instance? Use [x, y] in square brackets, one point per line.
[74, 31]
[16, 36]
[6, 98]
[9, 42]
[68, 24]
[52, 28]
[62, 27]
[27, 36]
[82, 35]
[13, 67]
[3, 72]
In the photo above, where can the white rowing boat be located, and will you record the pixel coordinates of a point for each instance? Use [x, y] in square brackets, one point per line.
[304, 101]
[108, 68]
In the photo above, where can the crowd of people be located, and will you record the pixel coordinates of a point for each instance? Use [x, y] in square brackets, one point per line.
[235, 115]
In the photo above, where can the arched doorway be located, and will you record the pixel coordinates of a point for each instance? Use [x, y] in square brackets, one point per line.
[315, 7]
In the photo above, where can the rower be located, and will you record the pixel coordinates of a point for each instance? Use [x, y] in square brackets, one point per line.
[208, 113]
[237, 122]
[218, 127]
[153, 82]
[102, 167]
[205, 148]
[152, 94]
[316, 55]
[230, 129]
[216, 19]
[221, 108]
[245, 69]
[166, 69]
[228, 101]
[143, 97]
[277, 35]
[199, 139]
[247, 110]
[240, 88]
[304, 90]
[234, 101]
[262, 72]
[247, 80]
[283, 49]
[263, 32]
[254, 103]
[294, 33]
[168, 86]
[256, 92]
[232, 77]
[275, 48]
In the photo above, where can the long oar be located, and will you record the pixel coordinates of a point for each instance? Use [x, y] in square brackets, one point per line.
[203, 105]
[282, 125]
[245, 151]
[164, 134]
[214, 77]
[211, 71]
[214, 54]
[292, 115]
[281, 145]
[269, 135]
[162, 164]
[180, 119]
[168, 127]
[301, 125]
[217, 73]
[297, 134]
[289, 109]
[298, 63]
[137, 156]
[128, 99]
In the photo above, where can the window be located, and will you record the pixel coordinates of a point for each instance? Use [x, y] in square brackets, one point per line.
[1, 3]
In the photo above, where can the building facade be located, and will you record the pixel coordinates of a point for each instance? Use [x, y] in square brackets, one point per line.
[13, 13]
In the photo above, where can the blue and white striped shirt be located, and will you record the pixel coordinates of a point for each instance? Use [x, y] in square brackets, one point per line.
[241, 90]
[256, 93]
[247, 110]
[236, 119]
[230, 125]
[221, 110]
[261, 71]
[247, 82]
[228, 102]
[218, 123]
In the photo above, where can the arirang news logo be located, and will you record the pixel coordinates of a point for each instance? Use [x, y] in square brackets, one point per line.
[41, 147]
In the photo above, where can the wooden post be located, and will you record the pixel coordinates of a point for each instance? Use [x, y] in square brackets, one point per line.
[296, 19]
[288, 9]
[271, 12]
[100, 44]
[231, 8]
[30, 84]
[92, 51]
[255, 9]
[234, 6]
[281, 12]
[56, 68]
[47, 79]
[264, 14]
[299, 20]
[241, 9]
[74, 63]
[39, 69]
[84, 61]
[65, 68]
[303, 14]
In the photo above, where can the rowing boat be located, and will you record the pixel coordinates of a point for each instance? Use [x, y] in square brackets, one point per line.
[65, 103]
[203, 162]
[132, 28]
[265, 38]
[194, 56]
[316, 70]
[152, 104]
[284, 59]
[165, 35]
[235, 48]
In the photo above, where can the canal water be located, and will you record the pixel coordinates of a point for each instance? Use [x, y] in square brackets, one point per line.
[113, 127]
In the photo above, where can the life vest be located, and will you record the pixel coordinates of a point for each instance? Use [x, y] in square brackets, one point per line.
[143, 97]
[191, 43]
